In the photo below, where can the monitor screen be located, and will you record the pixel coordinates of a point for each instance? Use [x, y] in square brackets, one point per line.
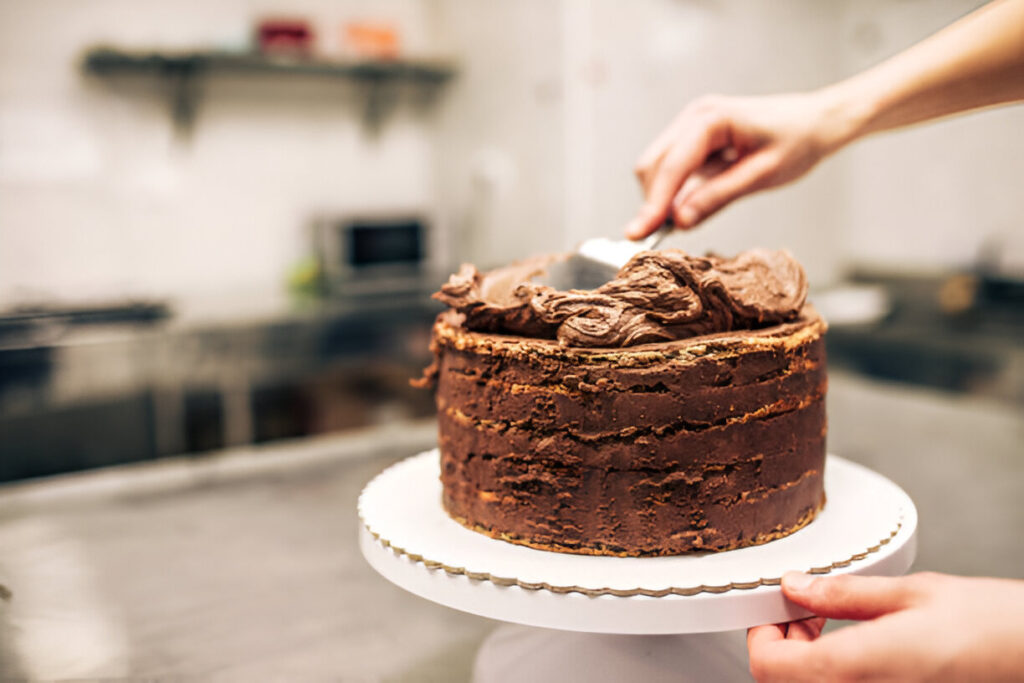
[383, 243]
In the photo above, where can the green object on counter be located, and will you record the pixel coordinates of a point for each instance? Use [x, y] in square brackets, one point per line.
[305, 279]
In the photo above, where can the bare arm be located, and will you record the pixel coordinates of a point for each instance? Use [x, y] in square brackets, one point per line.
[976, 62]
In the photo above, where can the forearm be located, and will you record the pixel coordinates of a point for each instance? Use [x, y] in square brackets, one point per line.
[976, 62]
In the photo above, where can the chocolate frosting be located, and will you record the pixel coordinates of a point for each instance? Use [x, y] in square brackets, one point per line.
[657, 296]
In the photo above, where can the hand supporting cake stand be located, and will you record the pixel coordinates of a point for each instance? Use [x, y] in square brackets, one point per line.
[867, 527]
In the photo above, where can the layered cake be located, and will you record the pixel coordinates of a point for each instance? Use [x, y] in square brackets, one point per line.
[678, 408]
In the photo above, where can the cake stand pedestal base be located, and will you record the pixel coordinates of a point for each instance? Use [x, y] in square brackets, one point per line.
[521, 653]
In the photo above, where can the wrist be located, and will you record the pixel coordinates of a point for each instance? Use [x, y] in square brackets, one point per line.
[844, 114]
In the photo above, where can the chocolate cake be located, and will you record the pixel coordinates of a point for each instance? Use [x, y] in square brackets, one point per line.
[678, 408]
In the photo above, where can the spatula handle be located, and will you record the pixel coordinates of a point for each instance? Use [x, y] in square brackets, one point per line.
[652, 241]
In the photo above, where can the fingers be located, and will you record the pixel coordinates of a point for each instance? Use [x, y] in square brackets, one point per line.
[769, 633]
[881, 649]
[775, 657]
[749, 174]
[805, 629]
[801, 630]
[666, 171]
[648, 163]
[797, 651]
[847, 596]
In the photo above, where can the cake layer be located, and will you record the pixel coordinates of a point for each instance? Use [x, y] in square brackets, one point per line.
[642, 406]
[800, 429]
[713, 488]
[721, 361]
[774, 515]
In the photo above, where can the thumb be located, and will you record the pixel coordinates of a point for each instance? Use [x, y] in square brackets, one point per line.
[847, 596]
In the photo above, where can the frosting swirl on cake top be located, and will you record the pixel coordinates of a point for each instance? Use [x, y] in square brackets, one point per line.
[657, 296]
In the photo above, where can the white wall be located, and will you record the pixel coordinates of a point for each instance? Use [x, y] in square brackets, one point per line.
[97, 198]
[929, 197]
[500, 139]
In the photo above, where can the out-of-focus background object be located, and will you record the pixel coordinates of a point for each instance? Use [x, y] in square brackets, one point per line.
[285, 37]
[374, 40]
[221, 223]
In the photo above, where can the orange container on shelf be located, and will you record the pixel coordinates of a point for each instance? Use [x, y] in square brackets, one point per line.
[371, 39]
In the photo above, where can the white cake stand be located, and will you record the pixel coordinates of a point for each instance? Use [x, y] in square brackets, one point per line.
[867, 527]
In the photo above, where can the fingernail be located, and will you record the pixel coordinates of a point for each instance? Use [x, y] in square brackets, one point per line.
[797, 581]
[687, 216]
[633, 229]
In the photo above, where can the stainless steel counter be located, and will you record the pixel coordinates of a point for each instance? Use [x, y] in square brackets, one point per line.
[220, 373]
[245, 565]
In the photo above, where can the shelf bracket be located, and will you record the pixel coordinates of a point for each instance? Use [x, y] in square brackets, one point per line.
[182, 79]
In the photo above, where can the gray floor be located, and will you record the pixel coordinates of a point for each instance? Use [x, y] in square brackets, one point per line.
[245, 566]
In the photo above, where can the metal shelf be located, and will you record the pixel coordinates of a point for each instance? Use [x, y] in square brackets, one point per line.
[183, 71]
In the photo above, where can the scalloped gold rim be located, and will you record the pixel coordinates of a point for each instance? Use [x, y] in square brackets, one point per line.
[633, 592]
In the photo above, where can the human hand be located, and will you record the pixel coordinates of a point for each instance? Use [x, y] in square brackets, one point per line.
[727, 147]
[921, 627]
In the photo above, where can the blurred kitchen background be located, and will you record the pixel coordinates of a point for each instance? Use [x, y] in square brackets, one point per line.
[210, 239]
[221, 222]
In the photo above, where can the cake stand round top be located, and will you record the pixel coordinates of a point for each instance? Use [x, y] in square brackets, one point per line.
[868, 527]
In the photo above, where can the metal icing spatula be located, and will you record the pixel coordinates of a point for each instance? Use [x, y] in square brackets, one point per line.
[598, 260]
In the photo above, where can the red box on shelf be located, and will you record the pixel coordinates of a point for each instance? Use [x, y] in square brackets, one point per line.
[285, 36]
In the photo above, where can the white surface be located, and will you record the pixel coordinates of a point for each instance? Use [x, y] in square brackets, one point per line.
[513, 654]
[434, 557]
[853, 305]
[613, 253]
